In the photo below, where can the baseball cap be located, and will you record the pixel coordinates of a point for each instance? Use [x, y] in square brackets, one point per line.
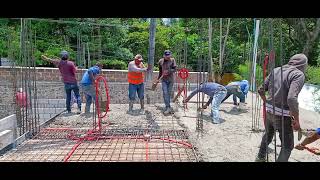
[64, 54]
[167, 53]
[138, 57]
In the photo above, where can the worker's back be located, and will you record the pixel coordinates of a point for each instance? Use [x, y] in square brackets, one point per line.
[287, 91]
[210, 88]
[68, 71]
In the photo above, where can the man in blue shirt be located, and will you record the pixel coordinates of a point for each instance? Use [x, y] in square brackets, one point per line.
[88, 85]
[216, 92]
[237, 89]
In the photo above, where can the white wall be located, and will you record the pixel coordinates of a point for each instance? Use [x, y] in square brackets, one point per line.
[308, 98]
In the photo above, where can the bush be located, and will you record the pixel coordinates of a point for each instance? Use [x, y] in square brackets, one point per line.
[245, 72]
[237, 77]
[123, 54]
[313, 75]
[114, 64]
[155, 68]
[53, 52]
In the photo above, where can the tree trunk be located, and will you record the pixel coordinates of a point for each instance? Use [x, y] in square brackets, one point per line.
[307, 48]
[210, 73]
[304, 36]
[152, 41]
[224, 45]
[220, 58]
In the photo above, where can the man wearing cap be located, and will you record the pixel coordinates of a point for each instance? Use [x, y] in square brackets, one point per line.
[136, 71]
[167, 68]
[216, 92]
[282, 103]
[68, 73]
[237, 89]
[88, 85]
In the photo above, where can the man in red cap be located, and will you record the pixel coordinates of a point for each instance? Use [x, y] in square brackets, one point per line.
[136, 71]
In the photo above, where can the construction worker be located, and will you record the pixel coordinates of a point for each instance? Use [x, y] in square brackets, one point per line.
[167, 68]
[216, 92]
[136, 71]
[308, 140]
[21, 98]
[68, 73]
[237, 89]
[88, 85]
[284, 94]
[21, 101]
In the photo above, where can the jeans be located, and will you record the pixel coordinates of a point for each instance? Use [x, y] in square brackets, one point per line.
[90, 93]
[75, 88]
[216, 101]
[287, 141]
[234, 90]
[136, 89]
[167, 92]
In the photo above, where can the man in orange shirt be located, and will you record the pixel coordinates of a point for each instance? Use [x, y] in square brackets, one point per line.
[136, 71]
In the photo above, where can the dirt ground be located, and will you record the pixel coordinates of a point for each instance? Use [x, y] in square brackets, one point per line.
[233, 139]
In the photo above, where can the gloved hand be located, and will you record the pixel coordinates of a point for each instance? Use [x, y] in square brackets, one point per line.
[299, 147]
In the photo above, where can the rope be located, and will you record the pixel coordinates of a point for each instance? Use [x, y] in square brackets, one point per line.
[97, 99]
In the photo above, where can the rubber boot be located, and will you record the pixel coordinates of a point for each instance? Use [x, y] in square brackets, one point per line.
[167, 111]
[130, 107]
[142, 106]
[241, 106]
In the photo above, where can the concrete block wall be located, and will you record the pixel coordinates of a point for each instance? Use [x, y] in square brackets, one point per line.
[50, 86]
[7, 130]
[49, 108]
[53, 74]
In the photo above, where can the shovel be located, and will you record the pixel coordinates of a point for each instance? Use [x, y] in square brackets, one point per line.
[299, 134]
[299, 131]
[155, 84]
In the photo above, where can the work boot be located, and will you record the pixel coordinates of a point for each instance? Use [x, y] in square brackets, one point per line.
[79, 111]
[130, 107]
[241, 107]
[167, 111]
[171, 110]
[87, 110]
[142, 106]
[258, 159]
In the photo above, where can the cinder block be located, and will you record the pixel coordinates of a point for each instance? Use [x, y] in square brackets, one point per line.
[8, 122]
[6, 138]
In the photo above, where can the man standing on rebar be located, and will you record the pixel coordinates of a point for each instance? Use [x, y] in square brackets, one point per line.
[237, 89]
[136, 71]
[88, 85]
[167, 68]
[216, 92]
[283, 94]
[68, 73]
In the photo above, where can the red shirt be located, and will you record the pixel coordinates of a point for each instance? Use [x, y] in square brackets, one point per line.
[21, 98]
[68, 71]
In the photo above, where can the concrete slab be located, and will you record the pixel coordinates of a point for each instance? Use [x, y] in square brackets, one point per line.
[6, 138]
[8, 122]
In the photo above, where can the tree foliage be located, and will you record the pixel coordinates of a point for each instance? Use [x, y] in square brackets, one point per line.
[119, 39]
